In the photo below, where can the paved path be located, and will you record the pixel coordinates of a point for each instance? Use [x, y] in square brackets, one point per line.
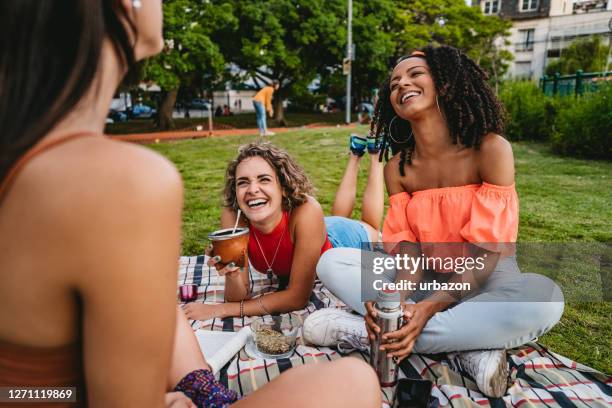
[192, 134]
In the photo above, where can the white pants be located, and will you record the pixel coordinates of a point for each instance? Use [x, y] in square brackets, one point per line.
[511, 309]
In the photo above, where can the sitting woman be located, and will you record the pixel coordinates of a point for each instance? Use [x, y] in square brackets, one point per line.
[288, 232]
[450, 180]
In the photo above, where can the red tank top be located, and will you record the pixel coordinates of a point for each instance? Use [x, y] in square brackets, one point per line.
[276, 242]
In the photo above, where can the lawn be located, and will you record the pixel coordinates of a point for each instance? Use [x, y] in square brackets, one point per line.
[561, 199]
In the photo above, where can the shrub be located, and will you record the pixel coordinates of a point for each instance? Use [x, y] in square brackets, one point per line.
[584, 128]
[530, 112]
[305, 101]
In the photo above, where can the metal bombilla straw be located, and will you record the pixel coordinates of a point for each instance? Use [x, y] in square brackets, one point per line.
[237, 219]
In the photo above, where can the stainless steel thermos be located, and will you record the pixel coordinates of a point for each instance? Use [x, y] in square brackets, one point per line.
[389, 319]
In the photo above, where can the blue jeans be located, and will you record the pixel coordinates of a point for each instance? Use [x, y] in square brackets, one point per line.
[346, 233]
[260, 111]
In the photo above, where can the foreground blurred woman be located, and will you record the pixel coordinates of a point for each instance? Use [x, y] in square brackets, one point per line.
[90, 228]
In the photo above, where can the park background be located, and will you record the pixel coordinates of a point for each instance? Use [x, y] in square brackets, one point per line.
[559, 118]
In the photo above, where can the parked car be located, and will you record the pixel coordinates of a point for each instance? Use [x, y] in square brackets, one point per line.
[332, 106]
[199, 104]
[142, 111]
[117, 116]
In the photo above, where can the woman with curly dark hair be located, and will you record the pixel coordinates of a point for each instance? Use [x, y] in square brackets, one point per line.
[288, 232]
[451, 183]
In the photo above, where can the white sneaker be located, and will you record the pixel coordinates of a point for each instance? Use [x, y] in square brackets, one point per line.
[268, 133]
[336, 327]
[488, 368]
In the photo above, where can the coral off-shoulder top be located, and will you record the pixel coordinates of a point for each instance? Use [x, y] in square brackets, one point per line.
[476, 213]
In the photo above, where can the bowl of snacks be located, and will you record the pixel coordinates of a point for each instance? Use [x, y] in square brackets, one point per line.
[275, 336]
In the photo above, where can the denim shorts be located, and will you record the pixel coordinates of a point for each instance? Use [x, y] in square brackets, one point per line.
[346, 233]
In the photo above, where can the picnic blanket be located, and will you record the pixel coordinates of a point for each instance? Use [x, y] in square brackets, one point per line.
[539, 377]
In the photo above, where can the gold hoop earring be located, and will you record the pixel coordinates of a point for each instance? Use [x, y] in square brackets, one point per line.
[391, 134]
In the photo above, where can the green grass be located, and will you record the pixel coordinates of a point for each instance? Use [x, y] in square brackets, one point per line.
[241, 121]
[561, 200]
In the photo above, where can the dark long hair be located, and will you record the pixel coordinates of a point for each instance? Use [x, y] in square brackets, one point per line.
[49, 55]
[466, 101]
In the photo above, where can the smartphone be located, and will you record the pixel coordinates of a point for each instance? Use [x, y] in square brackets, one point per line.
[411, 393]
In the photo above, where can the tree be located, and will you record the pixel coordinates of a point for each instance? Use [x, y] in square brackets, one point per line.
[297, 41]
[452, 22]
[189, 54]
[486, 49]
[588, 54]
[385, 30]
[375, 27]
[291, 41]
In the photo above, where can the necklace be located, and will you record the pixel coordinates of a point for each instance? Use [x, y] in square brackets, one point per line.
[269, 271]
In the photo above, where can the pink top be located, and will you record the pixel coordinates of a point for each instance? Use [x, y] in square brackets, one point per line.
[475, 213]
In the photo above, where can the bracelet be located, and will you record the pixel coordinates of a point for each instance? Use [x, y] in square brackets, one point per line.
[241, 309]
[260, 303]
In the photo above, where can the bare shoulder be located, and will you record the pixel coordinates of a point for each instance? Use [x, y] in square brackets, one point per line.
[495, 146]
[108, 170]
[307, 216]
[496, 160]
[99, 183]
[310, 208]
[138, 164]
[393, 178]
[308, 225]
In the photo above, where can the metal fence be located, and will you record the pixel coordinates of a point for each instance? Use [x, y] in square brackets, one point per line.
[565, 85]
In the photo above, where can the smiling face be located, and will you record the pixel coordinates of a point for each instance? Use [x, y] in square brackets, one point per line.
[413, 91]
[258, 191]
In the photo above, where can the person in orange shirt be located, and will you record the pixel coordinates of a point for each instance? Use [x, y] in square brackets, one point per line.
[451, 186]
[262, 101]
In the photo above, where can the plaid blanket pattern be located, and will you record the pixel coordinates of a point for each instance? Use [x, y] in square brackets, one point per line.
[539, 377]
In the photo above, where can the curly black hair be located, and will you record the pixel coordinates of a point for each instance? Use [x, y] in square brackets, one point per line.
[466, 101]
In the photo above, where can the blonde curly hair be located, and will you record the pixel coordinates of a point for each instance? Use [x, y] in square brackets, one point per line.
[293, 179]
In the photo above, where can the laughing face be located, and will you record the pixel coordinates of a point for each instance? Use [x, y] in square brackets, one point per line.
[413, 92]
[258, 191]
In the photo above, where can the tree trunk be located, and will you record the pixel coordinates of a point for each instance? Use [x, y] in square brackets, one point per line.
[279, 111]
[495, 76]
[494, 68]
[164, 109]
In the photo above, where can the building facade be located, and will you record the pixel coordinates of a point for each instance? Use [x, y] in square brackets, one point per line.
[542, 29]
[238, 101]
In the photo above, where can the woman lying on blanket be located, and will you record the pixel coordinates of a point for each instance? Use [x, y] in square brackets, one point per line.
[450, 180]
[90, 227]
[288, 232]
